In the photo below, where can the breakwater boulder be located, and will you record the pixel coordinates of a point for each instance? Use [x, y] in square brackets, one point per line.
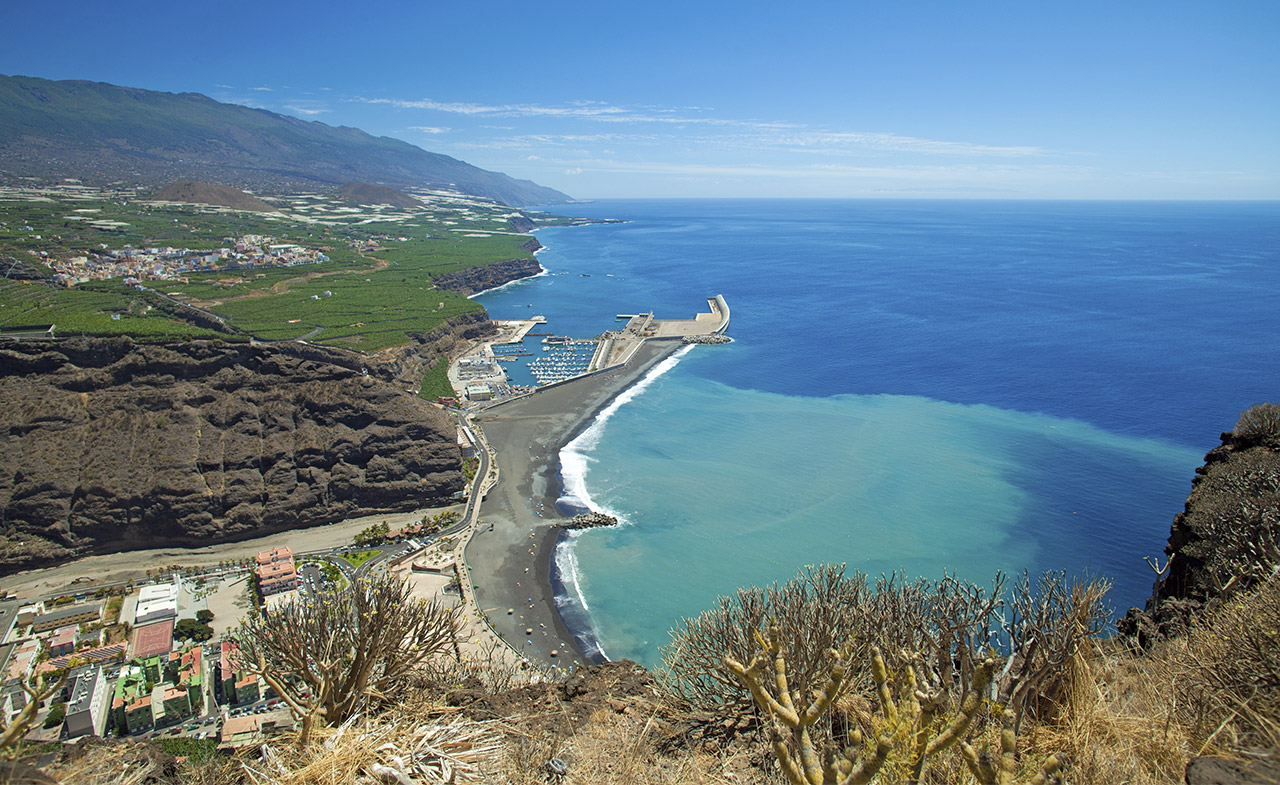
[589, 520]
[710, 340]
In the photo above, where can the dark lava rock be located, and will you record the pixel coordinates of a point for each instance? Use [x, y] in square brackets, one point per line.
[488, 276]
[110, 445]
[1214, 543]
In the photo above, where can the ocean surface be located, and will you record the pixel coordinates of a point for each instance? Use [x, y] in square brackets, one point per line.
[925, 386]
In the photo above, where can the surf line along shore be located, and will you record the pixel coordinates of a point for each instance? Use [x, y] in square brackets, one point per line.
[510, 552]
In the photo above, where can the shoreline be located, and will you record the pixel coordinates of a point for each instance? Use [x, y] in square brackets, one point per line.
[510, 555]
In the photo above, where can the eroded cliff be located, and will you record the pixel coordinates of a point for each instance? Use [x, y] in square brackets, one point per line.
[1227, 538]
[111, 445]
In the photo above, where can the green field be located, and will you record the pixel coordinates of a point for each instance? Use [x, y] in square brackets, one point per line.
[435, 383]
[377, 297]
[358, 558]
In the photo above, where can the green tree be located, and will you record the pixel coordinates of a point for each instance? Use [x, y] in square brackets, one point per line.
[204, 616]
[190, 629]
[56, 715]
[372, 535]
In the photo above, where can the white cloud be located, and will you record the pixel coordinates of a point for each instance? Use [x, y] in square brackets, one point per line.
[430, 129]
[830, 141]
[306, 110]
[262, 89]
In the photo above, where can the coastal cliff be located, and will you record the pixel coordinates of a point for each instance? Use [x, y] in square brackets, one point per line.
[1227, 537]
[489, 276]
[111, 445]
[406, 364]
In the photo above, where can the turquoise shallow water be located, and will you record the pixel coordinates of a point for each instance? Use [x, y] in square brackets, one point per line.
[914, 386]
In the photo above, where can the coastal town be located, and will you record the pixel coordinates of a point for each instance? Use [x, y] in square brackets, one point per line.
[155, 658]
[135, 265]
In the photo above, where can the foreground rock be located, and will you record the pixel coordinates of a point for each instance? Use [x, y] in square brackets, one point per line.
[109, 445]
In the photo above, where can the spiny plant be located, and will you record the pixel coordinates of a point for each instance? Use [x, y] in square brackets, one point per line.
[913, 726]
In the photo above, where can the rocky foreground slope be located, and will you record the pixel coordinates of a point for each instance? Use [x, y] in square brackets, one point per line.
[110, 445]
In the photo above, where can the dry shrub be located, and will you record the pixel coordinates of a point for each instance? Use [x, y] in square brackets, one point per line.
[1228, 672]
[622, 748]
[939, 633]
[1113, 721]
[1139, 717]
[1260, 425]
[489, 667]
[395, 747]
[817, 610]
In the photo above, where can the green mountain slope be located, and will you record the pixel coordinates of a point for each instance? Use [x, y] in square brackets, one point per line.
[100, 132]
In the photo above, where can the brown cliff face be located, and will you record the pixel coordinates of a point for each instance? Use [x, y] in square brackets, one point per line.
[488, 276]
[110, 445]
[1228, 535]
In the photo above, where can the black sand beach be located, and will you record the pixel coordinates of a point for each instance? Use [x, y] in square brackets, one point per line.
[510, 553]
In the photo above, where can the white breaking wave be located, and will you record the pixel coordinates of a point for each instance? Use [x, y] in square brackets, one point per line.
[574, 464]
[575, 460]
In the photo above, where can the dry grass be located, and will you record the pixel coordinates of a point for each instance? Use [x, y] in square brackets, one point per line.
[1139, 717]
[396, 747]
[622, 748]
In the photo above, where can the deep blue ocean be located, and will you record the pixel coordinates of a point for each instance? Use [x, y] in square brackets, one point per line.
[923, 386]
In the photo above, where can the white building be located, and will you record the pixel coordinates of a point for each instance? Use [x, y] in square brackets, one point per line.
[87, 709]
[157, 603]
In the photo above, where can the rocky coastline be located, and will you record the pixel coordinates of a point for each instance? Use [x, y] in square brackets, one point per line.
[1227, 534]
[489, 276]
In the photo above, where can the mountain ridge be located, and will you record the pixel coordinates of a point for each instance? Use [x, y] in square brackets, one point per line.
[102, 132]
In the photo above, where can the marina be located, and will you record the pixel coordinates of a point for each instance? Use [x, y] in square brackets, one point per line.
[527, 354]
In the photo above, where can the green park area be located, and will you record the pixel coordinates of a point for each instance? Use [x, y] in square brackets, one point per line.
[358, 558]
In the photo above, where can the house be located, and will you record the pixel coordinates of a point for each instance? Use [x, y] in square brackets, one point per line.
[63, 640]
[66, 615]
[28, 613]
[276, 572]
[176, 702]
[132, 702]
[239, 731]
[13, 700]
[87, 709]
[157, 603]
[247, 689]
[22, 661]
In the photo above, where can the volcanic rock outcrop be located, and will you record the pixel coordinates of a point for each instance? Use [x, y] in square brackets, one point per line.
[1227, 538]
[112, 445]
[488, 276]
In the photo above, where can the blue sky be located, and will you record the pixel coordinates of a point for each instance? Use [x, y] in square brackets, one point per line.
[1093, 100]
